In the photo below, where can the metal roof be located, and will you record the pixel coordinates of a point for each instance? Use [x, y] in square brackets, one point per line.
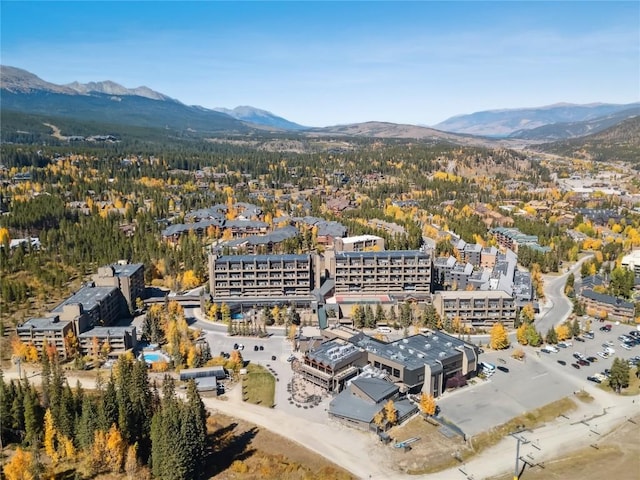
[88, 297]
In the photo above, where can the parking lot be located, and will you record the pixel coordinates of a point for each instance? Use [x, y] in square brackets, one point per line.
[525, 385]
[590, 348]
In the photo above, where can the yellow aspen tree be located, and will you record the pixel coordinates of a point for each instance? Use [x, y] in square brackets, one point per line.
[50, 441]
[427, 404]
[116, 448]
[390, 412]
[20, 467]
[498, 337]
[378, 419]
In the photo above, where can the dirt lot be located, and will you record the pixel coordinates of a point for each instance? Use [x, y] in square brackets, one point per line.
[617, 456]
[433, 449]
[249, 452]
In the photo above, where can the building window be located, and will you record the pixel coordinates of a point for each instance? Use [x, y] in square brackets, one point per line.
[421, 377]
[396, 373]
[376, 364]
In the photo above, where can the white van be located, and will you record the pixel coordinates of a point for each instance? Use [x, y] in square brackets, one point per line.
[487, 367]
[384, 329]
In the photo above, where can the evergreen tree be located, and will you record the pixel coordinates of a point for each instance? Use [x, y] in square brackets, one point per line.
[109, 411]
[89, 422]
[551, 337]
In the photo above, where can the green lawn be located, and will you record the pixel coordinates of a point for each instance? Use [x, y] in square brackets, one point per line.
[258, 386]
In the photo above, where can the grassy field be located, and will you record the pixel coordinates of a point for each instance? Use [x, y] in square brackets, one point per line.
[632, 389]
[258, 386]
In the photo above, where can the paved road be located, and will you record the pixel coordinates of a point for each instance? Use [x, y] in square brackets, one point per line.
[557, 306]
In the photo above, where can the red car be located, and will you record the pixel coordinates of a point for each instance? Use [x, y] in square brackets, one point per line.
[606, 328]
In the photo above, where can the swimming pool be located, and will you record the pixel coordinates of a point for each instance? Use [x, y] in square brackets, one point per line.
[151, 357]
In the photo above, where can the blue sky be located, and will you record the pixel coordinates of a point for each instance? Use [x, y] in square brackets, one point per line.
[327, 63]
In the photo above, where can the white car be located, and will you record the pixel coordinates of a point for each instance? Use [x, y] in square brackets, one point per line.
[566, 343]
[603, 354]
[610, 350]
[625, 346]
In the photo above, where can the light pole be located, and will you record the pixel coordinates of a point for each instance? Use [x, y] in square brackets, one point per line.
[524, 441]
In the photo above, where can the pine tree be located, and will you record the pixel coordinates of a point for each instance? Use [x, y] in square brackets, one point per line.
[88, 423]
[109, 411]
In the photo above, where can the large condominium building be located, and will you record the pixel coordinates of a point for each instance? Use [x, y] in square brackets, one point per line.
[512, 238]
[233, 276]
[478, 308]
[103, 305]
[41, 331]
[601, 305]
[128, 277]
[89, 311]
[399, 273]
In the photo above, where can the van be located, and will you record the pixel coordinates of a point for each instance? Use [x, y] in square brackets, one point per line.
[384, 329]
[487, 367]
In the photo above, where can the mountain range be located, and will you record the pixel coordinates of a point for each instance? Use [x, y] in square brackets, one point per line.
[107, 102]
[562, 120]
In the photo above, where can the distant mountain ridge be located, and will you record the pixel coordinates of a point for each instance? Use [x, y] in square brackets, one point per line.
[260, 117]
[22, 91]
[560, 131]
[619, 142]
[503, 123]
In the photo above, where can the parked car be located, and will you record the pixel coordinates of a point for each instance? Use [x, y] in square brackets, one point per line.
[565, 343]
[626, 346]
[579, 339]
[562, 345]
[273, 358]
[255, 348]
[594, 379]
[606, 328]
[603, 354]
[562, 362]
[592, 359]
[589, 335]
[576, 366]
[503, 369]
[220, 389]
[583, 362]
[291, 358]
[235, 346]
[577, 355]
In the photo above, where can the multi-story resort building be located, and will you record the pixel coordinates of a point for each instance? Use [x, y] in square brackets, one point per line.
[399, 273]
[234, 276]
[614, 308]
[512, 238]
[127, 277]
[477, 308]
[91, 312]
[423, 362]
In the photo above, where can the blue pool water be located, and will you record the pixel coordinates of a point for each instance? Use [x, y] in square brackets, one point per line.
[151, 357]
[236, 316]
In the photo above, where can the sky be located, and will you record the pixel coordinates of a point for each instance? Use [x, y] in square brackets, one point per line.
[329, 63]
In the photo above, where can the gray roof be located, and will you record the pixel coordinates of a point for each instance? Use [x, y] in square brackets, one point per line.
[444, 262]
[47, 323]
[277, 236]
[205, 213]
[88, 297]
[473, 247]
[522, 286]
[180, 228]
[126, 270]
[245, 224]
[334, 353]
[104, 332]
[375, 388]
[415, 351]
[607, 299]
[348, 405]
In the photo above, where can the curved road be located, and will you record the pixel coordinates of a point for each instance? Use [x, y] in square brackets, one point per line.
[558, 306]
